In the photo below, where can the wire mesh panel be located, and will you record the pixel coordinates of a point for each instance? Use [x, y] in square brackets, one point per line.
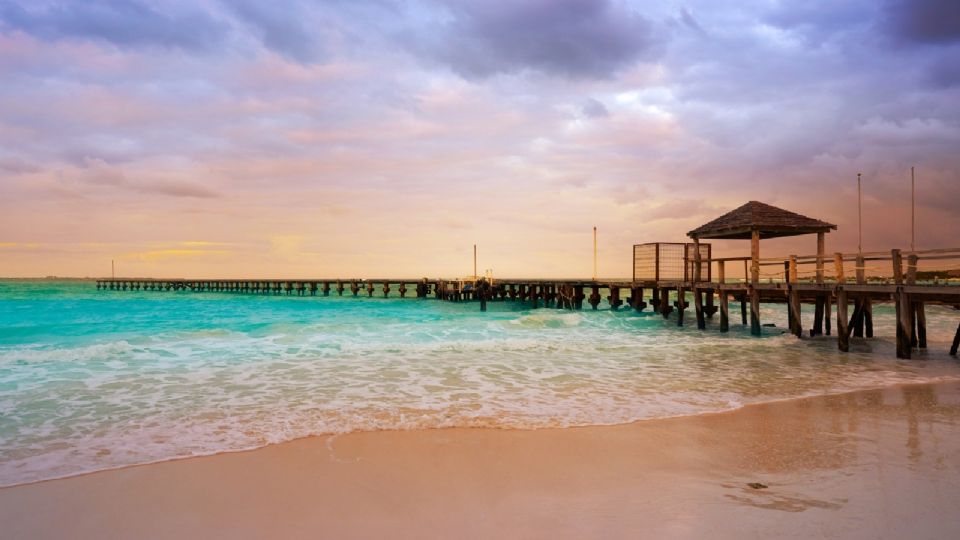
[663, 261]
[704, 257]
[671, 263]
[645, 262]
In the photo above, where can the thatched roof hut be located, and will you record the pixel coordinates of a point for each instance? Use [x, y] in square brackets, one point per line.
[769, 221]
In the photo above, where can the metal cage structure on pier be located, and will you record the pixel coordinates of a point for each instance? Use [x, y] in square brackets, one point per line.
[669, 261]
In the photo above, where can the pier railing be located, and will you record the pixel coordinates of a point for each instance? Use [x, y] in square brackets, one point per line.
[894, 267]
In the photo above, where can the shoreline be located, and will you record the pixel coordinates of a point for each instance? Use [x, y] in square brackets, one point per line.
[829, 461]
[945, 379]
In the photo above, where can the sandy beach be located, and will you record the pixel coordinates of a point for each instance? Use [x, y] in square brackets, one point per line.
[871, 464]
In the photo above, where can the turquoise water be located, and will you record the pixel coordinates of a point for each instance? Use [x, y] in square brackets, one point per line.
[98, 379]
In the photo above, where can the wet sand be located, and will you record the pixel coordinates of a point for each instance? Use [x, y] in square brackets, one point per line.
[871, 464]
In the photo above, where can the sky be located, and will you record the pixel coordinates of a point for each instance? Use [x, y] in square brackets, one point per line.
[380, 138]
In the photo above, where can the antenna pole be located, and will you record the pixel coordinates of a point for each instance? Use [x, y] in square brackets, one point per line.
[594, 253]
[913, 213]
[859, 218]
[474, 261]
[113, 274]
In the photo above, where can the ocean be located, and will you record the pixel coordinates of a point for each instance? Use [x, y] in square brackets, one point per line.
[92, 380]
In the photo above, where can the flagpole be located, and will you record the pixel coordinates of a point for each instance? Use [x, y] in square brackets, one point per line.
[859, 218]
[594, 253]
[913, 213]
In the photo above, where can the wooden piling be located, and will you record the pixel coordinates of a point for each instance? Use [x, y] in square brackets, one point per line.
[921, 319]
[794, 301]
[754, 311]
[724, 312]
[594, 297]
[698, 308]
[817, 329]
[827, 313]
[681, 304]
[665, 302]
[904, 329]
[708, 308]
[956, 342]
[743, 308]
[843, 333]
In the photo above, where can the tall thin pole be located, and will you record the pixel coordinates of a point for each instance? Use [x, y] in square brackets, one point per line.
[913, 214]
[113, 273]
[594, 253]
[859, 218]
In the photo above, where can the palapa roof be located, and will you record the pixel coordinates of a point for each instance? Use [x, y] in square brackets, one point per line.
[769, 220]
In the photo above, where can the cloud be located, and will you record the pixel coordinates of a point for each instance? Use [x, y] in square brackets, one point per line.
[286, 30]
[177, 189]
[924, 21]
[571, 38]
[594, 109]
[129, 23]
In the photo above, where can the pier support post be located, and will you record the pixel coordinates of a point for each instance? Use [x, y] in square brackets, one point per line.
[754, 311]
[681, 304]
[578, 297]
[354, 288]
[904, 328]
[857, 320]
[370, 289]
[743, 308]
[594, 297]
[794, 300]
[817, 329]
[868, 317]
[665, 302]
[724, 312]
[921, 318]
[827, 313]
[386, 290]
[709, 309]
[402, 290]
[614, 298]
[534, 297]
[956, 342]
[655, 299]
[698, 308]
[638, 303]
[843, 332]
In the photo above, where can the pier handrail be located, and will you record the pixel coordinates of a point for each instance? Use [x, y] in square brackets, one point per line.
[792, 271]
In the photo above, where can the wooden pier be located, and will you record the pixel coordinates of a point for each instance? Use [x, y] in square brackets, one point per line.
[701, 278]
